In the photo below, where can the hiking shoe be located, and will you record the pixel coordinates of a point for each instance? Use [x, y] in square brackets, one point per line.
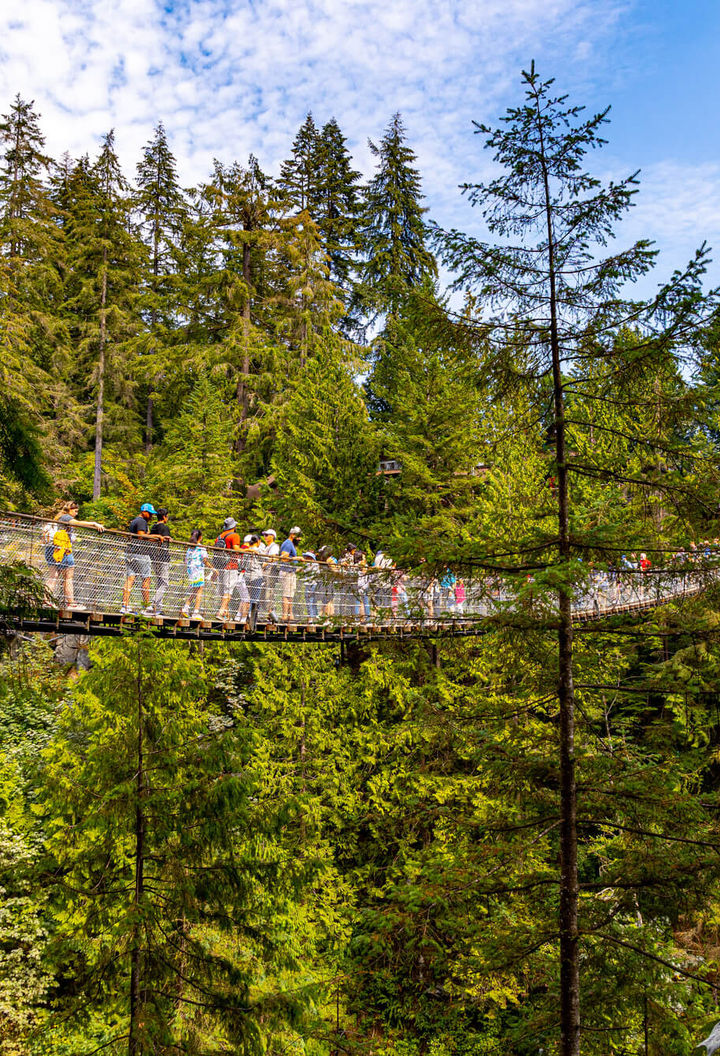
[197, 615]
[185, 611]
[126, 610]
[149, 611]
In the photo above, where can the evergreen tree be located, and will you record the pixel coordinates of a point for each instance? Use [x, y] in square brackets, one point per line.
[299, 178]
[393, 232]
[563, 307]
[325, 455]
[170, 879]
[427, 402]
[337, 211]
[105, 261]
[161, 206]
[32, 337]
[193, 466]
[231, 262]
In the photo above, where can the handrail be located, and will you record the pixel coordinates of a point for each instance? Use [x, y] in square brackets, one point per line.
[114, 570]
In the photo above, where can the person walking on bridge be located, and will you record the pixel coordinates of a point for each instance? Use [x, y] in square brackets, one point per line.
[59, 556]
[227, 565]
[288, 556]
[137, 557]
[270, 548]
[160, 558]
[196, 560]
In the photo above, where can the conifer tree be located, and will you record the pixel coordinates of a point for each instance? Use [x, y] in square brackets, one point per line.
[32, 337]
[170, 873]
[230, 260]
[393, 231]
[161, 206]
[193, 466]
[337, 211]
[426, 400]
[298, 182]
[560, 309]
[105, 261]
[325, 454]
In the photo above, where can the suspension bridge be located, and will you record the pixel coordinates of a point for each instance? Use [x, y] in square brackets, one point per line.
[247, 595]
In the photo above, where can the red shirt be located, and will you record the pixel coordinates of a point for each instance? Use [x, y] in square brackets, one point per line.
[232, 540]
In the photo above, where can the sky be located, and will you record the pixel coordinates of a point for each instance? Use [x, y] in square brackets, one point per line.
[231, 77]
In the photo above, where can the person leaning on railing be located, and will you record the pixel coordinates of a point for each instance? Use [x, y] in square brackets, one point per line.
[137, 557]
[59, 555]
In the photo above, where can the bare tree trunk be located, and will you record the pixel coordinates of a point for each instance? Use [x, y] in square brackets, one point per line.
[242, 391]
[100, 406]
[149, 412]
[136, 996]
[569, 946]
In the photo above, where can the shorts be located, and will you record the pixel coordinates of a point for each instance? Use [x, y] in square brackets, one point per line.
[68, 560]
[243, 594]
[255, 587]
[228, 581]
[289, 584]
[138, 565]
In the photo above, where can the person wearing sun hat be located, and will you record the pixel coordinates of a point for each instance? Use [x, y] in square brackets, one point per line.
[270, 549]
[137, 557]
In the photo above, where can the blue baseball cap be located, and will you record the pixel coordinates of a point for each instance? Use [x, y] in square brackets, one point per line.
[147, 507]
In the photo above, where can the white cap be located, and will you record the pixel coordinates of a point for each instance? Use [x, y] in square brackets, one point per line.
[248, 539]
[296, 531]
[269, 531]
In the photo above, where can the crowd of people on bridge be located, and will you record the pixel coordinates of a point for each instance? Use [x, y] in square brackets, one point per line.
[255, 572]
[250, 571]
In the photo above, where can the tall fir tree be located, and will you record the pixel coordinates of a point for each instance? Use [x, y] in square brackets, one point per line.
[161, 207]
[298, 182]
[338, 207]
[106, 262]
[32, 336]
[558, 311]
[393, 231]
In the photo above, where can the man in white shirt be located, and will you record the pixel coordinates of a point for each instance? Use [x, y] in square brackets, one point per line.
[271, 569]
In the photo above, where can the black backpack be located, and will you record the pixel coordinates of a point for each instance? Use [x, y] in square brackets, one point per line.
[220, 560]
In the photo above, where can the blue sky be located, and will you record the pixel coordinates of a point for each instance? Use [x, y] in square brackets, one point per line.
[229, 77]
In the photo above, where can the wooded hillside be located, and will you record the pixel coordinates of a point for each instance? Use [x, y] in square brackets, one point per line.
[504, 845]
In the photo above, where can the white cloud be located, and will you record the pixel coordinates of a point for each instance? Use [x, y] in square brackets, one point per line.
[228, 77]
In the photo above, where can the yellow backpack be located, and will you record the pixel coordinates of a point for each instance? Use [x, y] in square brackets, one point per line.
[62, 545]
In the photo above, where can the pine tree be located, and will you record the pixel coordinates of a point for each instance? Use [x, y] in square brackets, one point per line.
[393, 231]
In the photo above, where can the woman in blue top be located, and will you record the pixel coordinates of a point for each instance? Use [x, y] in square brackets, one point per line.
[196, 560]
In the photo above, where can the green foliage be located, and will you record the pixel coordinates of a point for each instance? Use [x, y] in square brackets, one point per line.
[359, 853]
[326, 456]
[393, 232]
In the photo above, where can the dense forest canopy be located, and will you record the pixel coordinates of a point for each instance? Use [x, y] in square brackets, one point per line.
[500, 846]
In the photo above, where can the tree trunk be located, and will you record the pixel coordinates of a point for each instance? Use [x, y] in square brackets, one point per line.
[242, 392]
[136, 996]
[569, 946]
[100, 406]
[149, 411]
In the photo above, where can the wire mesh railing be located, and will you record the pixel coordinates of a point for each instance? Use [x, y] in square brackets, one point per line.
[115, 574]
